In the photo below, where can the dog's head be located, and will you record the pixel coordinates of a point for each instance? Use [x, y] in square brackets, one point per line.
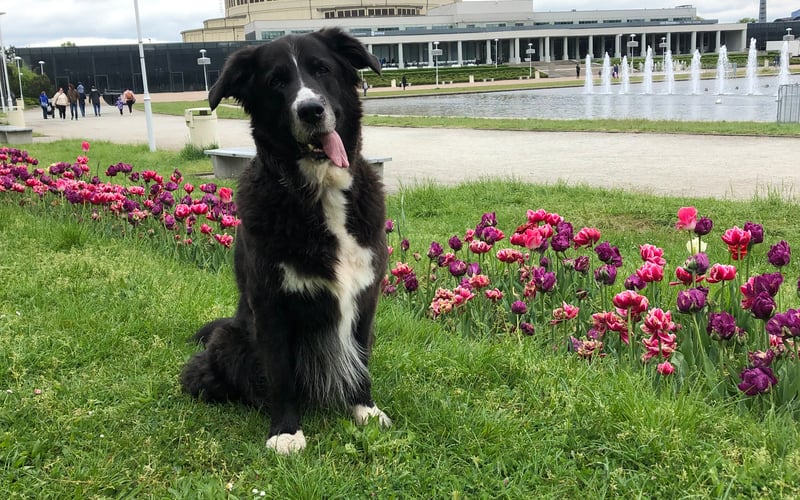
[300, 92]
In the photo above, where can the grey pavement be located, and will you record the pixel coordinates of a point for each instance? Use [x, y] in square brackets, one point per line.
[680, 165]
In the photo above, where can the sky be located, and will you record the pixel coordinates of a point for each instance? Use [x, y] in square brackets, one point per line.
[41, 23]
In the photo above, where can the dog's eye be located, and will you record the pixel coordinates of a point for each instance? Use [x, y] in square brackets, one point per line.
[276, 82]
[321, 69]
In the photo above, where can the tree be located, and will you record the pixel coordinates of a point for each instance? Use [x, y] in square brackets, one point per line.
[68, 44]
[747, 20]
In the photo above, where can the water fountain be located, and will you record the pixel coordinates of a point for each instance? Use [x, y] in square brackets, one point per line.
[588, 84]
[669, 73]
[605, 74]
[625, 75]
[695, 72]
[752, 69]
[783, 74]
[722, 69]
[648, 72]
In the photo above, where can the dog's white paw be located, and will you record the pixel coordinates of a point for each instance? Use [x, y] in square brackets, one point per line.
[362, 414]
[286, 444]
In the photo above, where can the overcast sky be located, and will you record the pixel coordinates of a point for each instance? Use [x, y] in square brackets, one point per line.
[29, 23]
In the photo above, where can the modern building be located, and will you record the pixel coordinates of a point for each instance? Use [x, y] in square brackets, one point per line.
[404, 33]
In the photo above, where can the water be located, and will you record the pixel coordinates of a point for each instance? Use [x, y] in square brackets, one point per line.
[647, 82]
[573, 104]
[695, 72]
[669, 73]
[588, 83]
[752, 68]
[625, 75]
[605, 74]
[722, 69]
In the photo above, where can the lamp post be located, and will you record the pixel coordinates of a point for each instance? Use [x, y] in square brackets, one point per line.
[5, 69]
[632, 44]
[530, 52]
[788, 36]
[148, 108]
[41, 67]
[496, 54]
[19, 74]
[436, 52]
[204, 61]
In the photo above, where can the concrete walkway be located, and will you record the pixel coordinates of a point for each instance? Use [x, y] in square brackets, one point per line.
[680, 165]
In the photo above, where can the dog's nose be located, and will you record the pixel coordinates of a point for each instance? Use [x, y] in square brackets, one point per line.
[310, 111]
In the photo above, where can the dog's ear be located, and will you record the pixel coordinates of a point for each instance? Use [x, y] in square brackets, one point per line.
[349, 48]
[237, 70]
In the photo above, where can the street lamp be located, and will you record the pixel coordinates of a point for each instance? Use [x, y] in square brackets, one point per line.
[148, 107]
[632, 44]
[530, 52]
[496, 54]
[5, 69]
[41, 67]
[788, 36]
[436, 52]
[204, 61]
[19, 74]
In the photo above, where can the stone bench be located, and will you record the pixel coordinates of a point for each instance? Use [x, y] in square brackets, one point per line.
[10, 134]
[228, 163]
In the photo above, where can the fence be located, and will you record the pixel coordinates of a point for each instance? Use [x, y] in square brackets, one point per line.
[789, 103]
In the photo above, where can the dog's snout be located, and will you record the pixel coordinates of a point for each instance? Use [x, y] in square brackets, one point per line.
[311, 111]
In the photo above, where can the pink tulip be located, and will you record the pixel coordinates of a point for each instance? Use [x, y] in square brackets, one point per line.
[586, 237]
[650, 272]
[564, 313]
[687, 218]
[85, 146]
[651, 253]
[737, 241]
[721, 272]
[665, 368]
[630, 302]
[225, 194]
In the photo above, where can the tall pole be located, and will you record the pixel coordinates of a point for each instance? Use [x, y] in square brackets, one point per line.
[148, 109]
[19, 74]
[5, 68]
[496, 54]
[41, 67]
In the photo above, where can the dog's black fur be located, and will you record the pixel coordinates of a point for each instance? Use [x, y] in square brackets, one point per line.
[310, 251]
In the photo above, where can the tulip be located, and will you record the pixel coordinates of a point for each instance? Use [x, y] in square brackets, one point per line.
[757, 380]
[779, 254]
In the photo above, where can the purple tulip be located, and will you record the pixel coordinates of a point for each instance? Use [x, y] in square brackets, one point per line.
[779, 254]
[785, 325]
[410, 282]
[756, 232]
[761, 359]
[763, 306]
[582, 265]
[692, 300]
[473, 268]
[519, 307]
[697, 263]
[544, 279]
[561, 241]
[404, 245]
[703, 226]
[634, 282]
[458, 268]
[608, 254]
[757, 380]
[721, 326]
[455, 243]
[389, 226]
[435, 250]
[606, 274]
[768, 283]
[490, 235]
[527, 328]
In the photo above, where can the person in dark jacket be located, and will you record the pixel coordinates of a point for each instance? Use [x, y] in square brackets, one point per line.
[94, 98]
[72, 96]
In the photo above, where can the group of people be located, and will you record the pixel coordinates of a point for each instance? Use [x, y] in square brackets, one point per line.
[75, 98]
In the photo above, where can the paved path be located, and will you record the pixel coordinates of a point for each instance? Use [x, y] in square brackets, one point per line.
[722, 167]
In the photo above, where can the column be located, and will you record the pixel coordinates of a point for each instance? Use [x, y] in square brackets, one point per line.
[643, 45]
[517, 58]
[693, 42]
[401, 60]
[430, 54]
[540, 52]
[489, 59]
[460, 53]
[669, 42]
[565, 55]
[617, 45]
[745, 41]
[719, 42]
[678, 43]
[591, 45]
[547, 49]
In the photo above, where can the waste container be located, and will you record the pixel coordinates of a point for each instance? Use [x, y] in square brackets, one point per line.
[16, 117]
[202, 123]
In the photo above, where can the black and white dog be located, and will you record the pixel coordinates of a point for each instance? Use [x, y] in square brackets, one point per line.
[310, 251]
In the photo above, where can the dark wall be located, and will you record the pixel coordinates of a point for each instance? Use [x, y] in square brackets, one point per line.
[764, 32]
[171, 67]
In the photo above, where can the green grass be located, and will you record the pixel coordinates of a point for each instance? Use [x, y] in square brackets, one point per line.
[99, 325]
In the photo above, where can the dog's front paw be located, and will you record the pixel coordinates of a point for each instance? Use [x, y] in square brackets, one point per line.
[286, 444]
[362, 414]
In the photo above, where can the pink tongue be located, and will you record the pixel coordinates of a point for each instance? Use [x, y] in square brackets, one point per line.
[334, 149]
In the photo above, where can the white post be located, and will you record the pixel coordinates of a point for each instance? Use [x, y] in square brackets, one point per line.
[19, 74]
[5, 68]
[148, 109]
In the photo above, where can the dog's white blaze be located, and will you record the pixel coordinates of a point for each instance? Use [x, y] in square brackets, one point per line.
[295, 283]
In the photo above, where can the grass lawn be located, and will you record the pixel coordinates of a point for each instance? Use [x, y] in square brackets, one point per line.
[93, 331]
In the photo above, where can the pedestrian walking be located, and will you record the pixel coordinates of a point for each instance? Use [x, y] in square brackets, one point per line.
[94, 98]
[81, 99]
[61, 101]
[72, 97]
[129, 99]
[44, 102]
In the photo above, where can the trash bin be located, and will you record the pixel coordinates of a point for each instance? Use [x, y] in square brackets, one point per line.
[16, 117]
[21, 104]
[202, 123]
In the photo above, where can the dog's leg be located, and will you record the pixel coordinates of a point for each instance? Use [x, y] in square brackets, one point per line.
[285, 434]
[362, 406]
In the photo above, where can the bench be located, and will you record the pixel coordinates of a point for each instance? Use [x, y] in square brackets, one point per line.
[228, 163]
[10, 134]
